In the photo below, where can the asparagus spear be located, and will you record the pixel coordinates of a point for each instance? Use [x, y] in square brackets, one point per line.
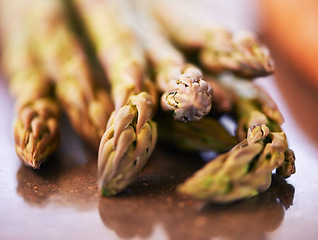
[185, 92]
[243, 172]
[86, 104]
[131, 134]
[36, 128]
[191, 26]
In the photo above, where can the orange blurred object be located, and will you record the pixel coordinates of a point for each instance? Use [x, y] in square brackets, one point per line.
[290, 26]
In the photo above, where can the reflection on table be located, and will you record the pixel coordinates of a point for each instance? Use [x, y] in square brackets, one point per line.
[153, 201]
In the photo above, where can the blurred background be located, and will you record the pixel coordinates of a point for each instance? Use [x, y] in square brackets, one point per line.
[289, 28]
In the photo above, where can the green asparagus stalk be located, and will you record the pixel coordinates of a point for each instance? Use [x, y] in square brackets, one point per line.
[185, 92]
[249, 97]
[36, 128]
[192, 27]
[207, 134]
[86, 104]
[131, 134]
[121, 56]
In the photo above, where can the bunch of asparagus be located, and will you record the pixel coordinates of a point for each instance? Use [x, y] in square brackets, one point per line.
[142, 47]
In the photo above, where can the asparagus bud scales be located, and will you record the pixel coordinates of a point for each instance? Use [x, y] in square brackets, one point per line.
[36, 131]
[125, 146]
[243, 54]
[185, 93]
[188, 95]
